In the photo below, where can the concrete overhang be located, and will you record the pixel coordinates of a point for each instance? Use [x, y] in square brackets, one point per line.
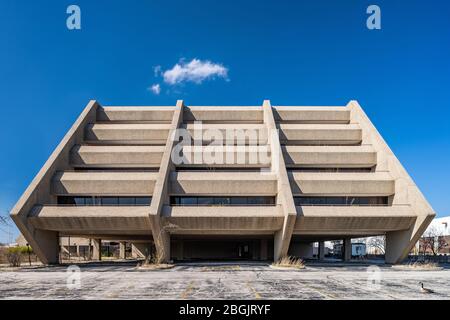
[347, 184]
[103, 183]
[223, 183]
[91, 219]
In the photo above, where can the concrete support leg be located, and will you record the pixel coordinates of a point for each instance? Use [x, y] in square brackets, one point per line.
[162, 244]
[263, 250]
[321, 253]
[97, 249]
[122, 250]
[400, 243]
[283, 237]
[347, 247]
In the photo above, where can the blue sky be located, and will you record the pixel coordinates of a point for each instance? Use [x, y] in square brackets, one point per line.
[292, 52]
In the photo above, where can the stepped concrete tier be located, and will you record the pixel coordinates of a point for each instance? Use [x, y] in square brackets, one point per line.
[222, 182]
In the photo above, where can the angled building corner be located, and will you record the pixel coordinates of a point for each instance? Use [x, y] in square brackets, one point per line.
[45, 243]
[399, 242]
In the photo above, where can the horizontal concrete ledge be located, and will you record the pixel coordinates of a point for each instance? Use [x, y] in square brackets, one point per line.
[216, 212]
[103, 183]
[60, 218]
[356, 211]
[112, 113]
[312, 114]
[223, 156]
[126, 156]
[344, 133]
[126, 131]
[340, 156]
[332, 183]
[223, 183]
[223, 114]
[330, 219]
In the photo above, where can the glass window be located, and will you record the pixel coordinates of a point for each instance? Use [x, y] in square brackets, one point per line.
[143, 201]
[110, 201]
[188, 201]
[221, 201]
[89, 201]
[205, 201]
[239, 201]
[127, 201]
[335, 201]
[79, 201]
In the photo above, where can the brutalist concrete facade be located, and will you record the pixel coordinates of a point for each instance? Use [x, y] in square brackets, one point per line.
[330, 176]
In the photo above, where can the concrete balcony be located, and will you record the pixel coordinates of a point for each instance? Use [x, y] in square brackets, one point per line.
[224, 114]
[352, 220]
[342, 184]
[84, 220]
[224, 220]
[103, 183]
[330, 156]
[135, 114]
[223, 183]
[227, 156]
[116, 156]
[320, 134]
[312, 114]
[122, 133]
[255, 134]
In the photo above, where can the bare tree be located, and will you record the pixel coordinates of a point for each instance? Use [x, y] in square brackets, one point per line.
[432, 240]
[378, 244]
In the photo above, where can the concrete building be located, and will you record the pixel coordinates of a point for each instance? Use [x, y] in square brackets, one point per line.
[320, 174]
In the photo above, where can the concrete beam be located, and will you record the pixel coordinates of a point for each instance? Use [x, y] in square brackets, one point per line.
[160, 196]
[282, 238]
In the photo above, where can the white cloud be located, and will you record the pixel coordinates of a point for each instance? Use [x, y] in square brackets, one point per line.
[194, 71]
[156, 88]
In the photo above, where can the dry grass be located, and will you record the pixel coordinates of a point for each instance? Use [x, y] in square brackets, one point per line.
[221, 268]
[424, 265]
[289, 262]
[419, 265]
[154, 266]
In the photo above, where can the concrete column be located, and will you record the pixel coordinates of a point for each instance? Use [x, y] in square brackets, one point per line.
[285, 199]
[321, 253]
[122, 250]
[263, 249]
[97, 249]
[347, 247]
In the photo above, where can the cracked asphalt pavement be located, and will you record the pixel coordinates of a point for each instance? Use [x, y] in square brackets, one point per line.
[237, 281]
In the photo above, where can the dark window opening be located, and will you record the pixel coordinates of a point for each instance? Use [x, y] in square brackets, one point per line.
[314, 169]
[201, 201]
[341, 201]
[103, 201]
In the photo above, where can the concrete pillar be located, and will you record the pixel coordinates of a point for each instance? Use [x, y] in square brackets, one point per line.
[97, 249]
[263, 249]
[46, 245]
[122, 250]
[347, 247]
[321, 253]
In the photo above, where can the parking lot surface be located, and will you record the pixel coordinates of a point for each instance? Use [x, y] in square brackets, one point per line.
[222, 281]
